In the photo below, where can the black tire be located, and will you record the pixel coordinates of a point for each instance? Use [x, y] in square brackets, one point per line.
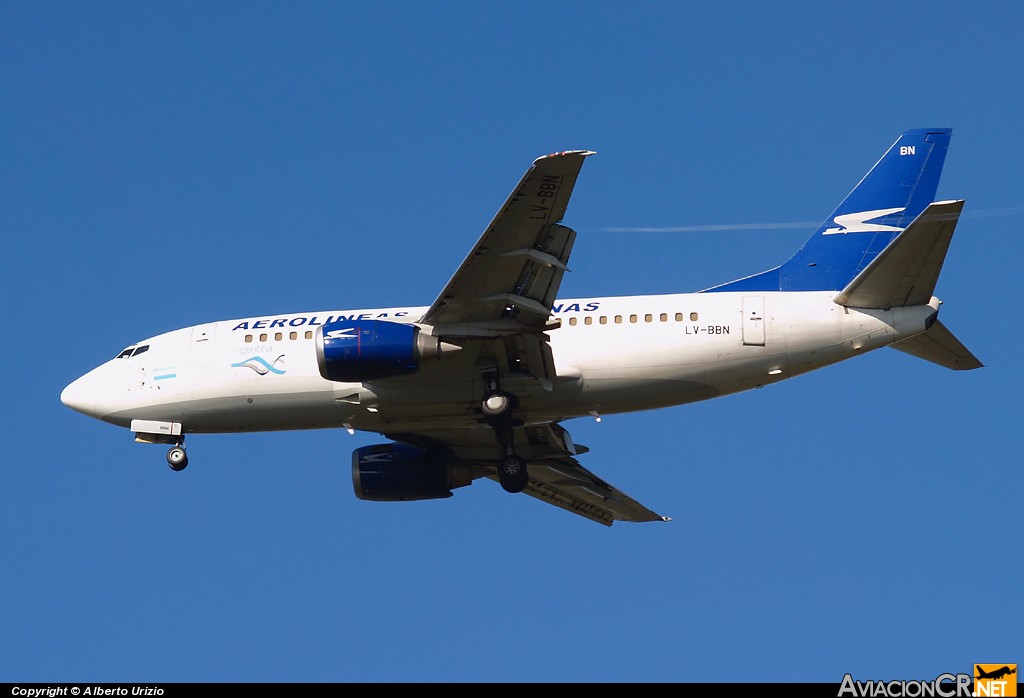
[513, 474]
[177, 459]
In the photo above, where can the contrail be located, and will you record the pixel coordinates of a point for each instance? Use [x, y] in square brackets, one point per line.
[705, 228]
[989, 212]
[793, 225]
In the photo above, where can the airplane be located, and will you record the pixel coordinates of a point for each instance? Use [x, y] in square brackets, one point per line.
[996, 674]
[480, 383]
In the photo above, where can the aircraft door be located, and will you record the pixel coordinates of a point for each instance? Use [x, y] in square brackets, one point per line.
[753, 321]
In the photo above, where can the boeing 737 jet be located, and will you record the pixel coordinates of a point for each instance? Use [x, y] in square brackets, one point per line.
[480, 383]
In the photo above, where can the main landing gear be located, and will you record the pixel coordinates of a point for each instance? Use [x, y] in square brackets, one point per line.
[497, 409]
[512, 474]
[177, 459]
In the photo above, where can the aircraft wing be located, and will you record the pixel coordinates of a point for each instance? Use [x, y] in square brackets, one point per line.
[565, 483]
[556, 477]
[509, 280]
[500, 298]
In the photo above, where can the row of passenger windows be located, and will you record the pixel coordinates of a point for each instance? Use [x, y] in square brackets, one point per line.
[573, 321]
[279, 336]
[617, 319]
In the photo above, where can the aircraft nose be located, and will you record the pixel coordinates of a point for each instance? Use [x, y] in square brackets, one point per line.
[79, 397]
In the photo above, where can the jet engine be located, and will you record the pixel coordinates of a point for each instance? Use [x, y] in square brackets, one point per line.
[354, 351]
[397, 473]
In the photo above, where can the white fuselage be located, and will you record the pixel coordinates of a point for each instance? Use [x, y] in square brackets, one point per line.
[611, 355]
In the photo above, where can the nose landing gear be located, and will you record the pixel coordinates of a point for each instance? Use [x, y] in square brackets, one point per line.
[177, 459]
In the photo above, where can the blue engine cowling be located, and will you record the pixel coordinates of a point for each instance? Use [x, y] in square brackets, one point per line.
[399, 473]
[353, 351]
[356, 351]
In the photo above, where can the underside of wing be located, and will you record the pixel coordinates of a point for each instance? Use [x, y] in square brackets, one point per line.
[556, 477]
[567, 484]
[509, 280]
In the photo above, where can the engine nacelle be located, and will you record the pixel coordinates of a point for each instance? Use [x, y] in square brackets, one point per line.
[355, 351]
[399, 473]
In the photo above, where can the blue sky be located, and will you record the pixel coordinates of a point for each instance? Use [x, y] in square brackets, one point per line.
[167, 164]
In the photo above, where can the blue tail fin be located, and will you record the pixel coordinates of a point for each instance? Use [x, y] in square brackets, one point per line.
[896, 190]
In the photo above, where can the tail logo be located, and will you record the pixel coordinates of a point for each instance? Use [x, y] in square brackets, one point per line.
[857, 222]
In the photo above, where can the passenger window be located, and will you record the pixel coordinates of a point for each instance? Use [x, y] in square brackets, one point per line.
[588, 320]
[648, 318]
[603, 320]
[632, 318]
[278, 337]
[618, 319]
[263, 337]
[679, 317]
[309, 334]
[664, 317]
[293, 335]
[693, 317]
[248, 339]
[572, 322]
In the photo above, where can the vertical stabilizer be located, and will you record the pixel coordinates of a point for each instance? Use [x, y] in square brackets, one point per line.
[891, 195]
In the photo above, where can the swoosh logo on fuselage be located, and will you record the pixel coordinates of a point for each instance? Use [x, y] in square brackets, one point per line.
[260, 365]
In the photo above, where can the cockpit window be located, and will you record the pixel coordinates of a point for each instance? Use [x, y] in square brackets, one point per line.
[133, 350]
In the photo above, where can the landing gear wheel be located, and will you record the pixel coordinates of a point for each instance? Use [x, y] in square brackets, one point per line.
[497, 406]
[177, 458]
[512, 474]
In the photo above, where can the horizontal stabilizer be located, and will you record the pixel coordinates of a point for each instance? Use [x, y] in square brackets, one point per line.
[939, 346]
[905, 272]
